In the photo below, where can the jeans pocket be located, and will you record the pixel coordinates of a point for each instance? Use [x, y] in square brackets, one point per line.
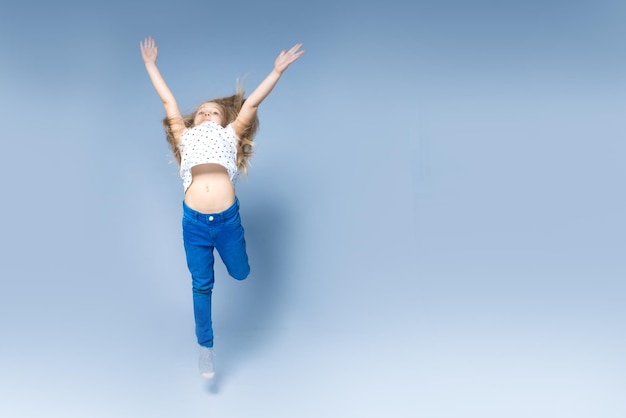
[234, 219]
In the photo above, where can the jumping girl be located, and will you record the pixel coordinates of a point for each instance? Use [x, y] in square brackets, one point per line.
[212, 146]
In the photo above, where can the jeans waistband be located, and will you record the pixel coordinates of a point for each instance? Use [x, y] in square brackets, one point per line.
[212, 217]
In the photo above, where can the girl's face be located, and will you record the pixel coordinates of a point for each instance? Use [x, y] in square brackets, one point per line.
[209, 112]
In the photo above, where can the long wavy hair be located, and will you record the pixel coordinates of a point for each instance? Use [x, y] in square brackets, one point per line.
[230, 106]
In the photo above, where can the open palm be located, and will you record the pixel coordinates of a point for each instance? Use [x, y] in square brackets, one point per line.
[287, 57]
[149, 50]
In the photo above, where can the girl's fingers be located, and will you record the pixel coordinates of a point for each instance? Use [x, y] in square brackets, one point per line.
[295, 48]
[147, 43]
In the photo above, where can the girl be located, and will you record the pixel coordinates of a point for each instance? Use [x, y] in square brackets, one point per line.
[212, 145]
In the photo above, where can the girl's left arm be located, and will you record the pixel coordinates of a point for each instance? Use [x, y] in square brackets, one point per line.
[248, 110]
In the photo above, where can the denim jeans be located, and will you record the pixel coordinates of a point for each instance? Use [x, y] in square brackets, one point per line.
[203, 232]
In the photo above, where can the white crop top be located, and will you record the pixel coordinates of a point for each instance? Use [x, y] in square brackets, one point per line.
[208, 142]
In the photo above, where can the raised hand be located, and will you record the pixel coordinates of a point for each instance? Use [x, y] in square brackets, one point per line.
[149, 50]
[287, 57]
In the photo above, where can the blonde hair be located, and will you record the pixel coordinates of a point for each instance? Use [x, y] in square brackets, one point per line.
[230, 106]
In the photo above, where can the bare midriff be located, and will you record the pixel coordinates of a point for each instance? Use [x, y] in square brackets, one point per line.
[211, 190]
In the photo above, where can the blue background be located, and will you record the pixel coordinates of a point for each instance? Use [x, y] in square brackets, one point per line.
[434, 214]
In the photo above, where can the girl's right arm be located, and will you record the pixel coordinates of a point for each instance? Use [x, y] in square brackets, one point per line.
[149, 53]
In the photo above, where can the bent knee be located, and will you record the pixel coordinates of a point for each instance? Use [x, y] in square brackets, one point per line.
[241, 274]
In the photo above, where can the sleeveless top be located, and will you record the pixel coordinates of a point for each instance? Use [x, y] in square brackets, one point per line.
[208, 142]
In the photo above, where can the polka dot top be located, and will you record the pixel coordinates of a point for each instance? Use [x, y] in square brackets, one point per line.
[208, 142]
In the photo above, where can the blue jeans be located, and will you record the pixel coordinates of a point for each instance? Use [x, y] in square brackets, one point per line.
[203, 232]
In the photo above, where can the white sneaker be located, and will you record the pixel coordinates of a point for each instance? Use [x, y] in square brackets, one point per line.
[206, 362]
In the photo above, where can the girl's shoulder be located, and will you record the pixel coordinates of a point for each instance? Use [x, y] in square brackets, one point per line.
[232, 133]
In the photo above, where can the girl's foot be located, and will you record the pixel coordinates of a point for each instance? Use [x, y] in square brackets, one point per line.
[206, 362]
